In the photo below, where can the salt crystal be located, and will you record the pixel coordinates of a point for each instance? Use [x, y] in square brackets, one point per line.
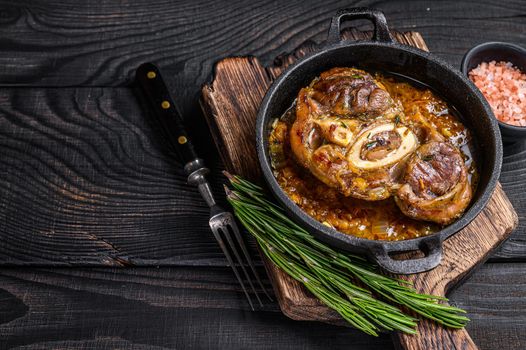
[504, 86]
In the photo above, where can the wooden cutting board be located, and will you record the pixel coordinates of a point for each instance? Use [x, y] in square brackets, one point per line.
[230, 103]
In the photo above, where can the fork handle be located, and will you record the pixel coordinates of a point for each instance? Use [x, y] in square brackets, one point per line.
[150, 79]
[197, 178]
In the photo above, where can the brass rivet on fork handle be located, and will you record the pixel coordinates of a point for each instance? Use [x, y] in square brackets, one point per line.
[222, 223]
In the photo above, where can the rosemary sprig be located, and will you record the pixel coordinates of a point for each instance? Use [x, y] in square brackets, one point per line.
[332, 276]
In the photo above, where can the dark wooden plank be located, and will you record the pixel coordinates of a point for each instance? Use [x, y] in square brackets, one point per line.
[204, 308]
[463, 254]
[513, 180]
[101, 42]
[190, 308]
[86, 179]
[495, 298]
[95, 42]
[75, 48]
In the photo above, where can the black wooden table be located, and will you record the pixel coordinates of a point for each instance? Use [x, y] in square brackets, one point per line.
[78, 59]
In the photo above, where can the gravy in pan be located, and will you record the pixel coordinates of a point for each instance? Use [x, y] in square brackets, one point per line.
[376, 220]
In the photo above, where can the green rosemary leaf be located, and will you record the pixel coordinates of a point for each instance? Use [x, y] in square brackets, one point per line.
[347, 283]
[427, 158]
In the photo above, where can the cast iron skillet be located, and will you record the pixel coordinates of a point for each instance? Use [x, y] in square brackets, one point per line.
[383, 54]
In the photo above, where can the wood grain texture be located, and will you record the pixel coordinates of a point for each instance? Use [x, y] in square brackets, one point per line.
[86, 180]
[67, 43]
[204, 308]
[494, 284]
[513, 180]
[179, 308]
[231, 104]
[461, 254]
[98, 43]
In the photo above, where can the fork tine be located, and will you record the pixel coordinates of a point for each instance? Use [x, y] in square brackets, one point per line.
[239, 238]
[231, 263]
[232, 246]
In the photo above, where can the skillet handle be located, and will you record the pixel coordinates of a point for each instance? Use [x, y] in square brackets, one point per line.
[381, 31]
[431, 247]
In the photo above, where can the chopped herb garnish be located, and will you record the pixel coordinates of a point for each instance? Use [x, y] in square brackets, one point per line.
[363, 116]
[427, 158]
[343, 124]
[357, 76]
[371, 144]
[397, 119]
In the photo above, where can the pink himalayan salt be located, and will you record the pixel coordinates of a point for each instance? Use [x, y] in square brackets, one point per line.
[504, 86]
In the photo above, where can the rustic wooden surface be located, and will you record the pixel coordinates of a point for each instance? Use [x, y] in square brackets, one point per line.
[93, 45]
[101, 158]
[231, 102]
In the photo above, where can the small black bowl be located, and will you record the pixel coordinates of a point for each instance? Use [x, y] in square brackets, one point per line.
[498, 51]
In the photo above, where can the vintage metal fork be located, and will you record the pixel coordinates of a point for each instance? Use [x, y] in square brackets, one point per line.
[221, 222]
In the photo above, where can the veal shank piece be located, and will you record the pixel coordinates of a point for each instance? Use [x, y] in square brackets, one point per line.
[350, 134]
[350, 92]
[435, 184]
[347, 133]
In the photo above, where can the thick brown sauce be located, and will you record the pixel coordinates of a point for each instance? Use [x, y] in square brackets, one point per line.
[380, 220]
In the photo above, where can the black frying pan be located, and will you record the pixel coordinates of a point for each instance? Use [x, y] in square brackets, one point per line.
[383, 54]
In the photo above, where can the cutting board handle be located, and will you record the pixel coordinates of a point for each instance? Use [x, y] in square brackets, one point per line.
[431, 336]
